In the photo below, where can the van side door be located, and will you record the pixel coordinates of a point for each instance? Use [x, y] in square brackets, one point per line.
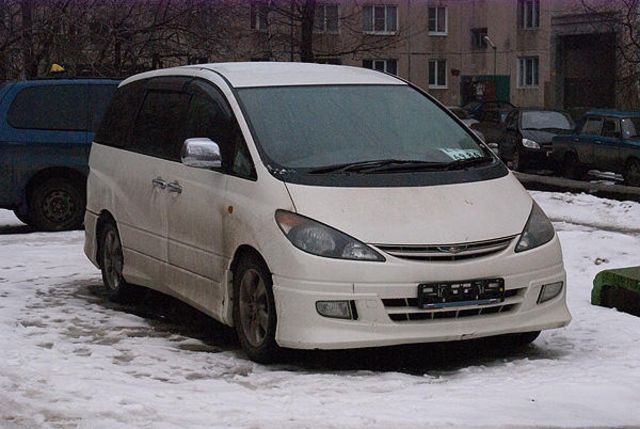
[197, 208]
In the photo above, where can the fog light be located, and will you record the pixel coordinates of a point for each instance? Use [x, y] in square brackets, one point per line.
[335, 309]
[549, 291]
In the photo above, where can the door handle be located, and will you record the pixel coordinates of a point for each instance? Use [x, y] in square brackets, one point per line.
[174, 187]
[159, 182]
[598, 142]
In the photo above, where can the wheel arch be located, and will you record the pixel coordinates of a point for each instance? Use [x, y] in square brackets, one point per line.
[241, 251]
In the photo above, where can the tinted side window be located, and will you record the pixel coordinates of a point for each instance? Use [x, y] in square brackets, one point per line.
[51, 107]
[210, 116]
[159, 127]
[99, 97]
[592, 126]
[115, 128]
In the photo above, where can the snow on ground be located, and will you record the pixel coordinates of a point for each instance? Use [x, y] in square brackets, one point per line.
[68, 358]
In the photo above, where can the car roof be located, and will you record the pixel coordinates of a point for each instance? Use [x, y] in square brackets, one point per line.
[261, 74]
[613, 113]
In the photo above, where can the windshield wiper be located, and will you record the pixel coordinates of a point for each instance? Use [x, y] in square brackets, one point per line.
[372, 166]
[460, 164]
[397, 165]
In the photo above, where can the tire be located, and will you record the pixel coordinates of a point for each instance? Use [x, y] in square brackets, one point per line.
[632, 173]
[570, 167]
[254, 310]
[57, 205]
[111, 261]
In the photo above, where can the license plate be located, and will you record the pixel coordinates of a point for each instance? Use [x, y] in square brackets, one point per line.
[462, 293]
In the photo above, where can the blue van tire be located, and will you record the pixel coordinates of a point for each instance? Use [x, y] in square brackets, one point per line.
[57, 205]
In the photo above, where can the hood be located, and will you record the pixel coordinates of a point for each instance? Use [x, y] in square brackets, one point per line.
[444, 214]
[541, 136]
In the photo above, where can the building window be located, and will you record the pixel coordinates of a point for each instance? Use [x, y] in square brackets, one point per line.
[529, 14]
[478, 40]
[437, 73]
[259, 13]
[380, 19]
[387, 66]
[326, 19]
[438, 21]
[528, 74]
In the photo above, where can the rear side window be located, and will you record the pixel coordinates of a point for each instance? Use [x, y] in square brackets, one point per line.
[51, 107]
[159, 128]
[115, 128]
[99, 97]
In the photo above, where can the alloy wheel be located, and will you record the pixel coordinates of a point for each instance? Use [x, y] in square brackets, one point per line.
[112, 260]
[254, 307]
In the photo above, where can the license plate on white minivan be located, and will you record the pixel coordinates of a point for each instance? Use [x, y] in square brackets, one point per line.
[460, 293]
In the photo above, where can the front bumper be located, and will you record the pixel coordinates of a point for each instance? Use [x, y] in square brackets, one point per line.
[300, 326]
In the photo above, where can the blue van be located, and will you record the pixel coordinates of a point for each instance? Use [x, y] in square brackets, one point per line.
[46, 130]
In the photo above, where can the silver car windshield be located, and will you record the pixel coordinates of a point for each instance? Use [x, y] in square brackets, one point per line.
[315, 126]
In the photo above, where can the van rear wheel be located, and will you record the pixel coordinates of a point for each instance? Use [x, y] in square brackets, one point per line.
[111, 260]
[254, 310]
[57, 205]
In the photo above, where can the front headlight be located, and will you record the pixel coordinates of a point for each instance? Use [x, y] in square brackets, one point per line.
[530, 144]
[319, 239]
[537, 231]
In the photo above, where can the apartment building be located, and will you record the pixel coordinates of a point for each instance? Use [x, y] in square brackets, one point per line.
[546, 53]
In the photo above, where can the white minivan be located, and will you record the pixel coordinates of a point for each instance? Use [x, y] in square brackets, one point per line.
[316, 207]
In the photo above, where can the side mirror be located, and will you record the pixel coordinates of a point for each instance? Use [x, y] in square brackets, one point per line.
[495, 148]
[201, 152]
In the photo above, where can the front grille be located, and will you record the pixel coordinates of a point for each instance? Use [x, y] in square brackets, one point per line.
[446, 252]
[407, 310]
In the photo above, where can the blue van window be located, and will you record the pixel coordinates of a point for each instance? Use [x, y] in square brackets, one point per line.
[50, 107]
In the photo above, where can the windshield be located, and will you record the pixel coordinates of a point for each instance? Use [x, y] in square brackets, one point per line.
[541, 119]
[630, 127]
[311, 127]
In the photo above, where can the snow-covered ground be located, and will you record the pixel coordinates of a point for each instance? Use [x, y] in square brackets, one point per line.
[68, 358]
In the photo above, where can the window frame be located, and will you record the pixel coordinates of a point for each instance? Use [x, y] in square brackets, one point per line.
[436, 84]
[437, 32]
[385, 62]
[523, 14]
[483, 32]
[522, 70]
[324, 29]
[372, 23]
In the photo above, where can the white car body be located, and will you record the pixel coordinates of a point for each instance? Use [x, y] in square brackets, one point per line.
[184, 244]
